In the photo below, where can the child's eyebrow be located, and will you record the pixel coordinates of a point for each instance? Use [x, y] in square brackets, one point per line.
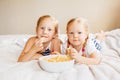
[50, 28]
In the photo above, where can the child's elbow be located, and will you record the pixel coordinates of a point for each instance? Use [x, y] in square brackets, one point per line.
[20, 60]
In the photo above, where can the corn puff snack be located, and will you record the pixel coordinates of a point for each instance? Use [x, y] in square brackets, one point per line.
[58, 59]
[68, 52]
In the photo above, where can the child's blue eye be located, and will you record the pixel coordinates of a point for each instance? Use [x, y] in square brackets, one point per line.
[79, 32]
[49, 29]
[41, 27]
[71, 33]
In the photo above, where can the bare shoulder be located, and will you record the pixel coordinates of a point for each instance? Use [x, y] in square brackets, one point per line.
[29, 43]
[31, 39]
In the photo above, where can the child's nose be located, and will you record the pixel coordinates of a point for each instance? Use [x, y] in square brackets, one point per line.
[75, 35]
[45, 31]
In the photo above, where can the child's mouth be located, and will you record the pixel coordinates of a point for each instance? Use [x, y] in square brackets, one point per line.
[44, 36]
[75, 40]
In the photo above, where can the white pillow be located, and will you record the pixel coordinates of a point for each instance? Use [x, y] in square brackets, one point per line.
[63, 37]
[22, 42]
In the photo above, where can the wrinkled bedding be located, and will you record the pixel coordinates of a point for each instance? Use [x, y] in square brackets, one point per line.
[12, 45]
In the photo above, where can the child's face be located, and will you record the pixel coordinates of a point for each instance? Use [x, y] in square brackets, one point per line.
[46, 29]
[76, 34]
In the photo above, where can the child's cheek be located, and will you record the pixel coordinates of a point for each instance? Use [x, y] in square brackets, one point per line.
[84, 36]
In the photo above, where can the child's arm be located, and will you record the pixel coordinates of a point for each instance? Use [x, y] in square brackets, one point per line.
[29, 52]
[93, 58]
[56, 45]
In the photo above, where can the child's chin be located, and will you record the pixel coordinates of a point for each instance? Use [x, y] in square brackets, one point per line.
[76, 43]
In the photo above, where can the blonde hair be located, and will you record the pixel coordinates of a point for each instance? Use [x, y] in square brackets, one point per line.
[81, 21]
[47, 16]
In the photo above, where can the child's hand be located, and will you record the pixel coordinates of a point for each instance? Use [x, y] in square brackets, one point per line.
[68, 52]
[74, 54]
[42, 40]
[37, 46]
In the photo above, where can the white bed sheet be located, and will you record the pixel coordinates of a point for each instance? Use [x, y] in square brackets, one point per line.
[12, 45]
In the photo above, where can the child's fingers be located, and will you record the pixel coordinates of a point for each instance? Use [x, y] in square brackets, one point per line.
[42, 39]
[40, 45]
[37, 42]
[41, 48]
[68, 51]
[37, 48]
[73, 55]
[73, 50]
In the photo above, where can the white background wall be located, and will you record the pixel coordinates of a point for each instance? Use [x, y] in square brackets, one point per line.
[20, 16]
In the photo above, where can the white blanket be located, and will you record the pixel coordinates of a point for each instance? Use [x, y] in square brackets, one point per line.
[12, 45]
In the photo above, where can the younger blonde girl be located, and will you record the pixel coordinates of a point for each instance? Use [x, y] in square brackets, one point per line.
[80, 45]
